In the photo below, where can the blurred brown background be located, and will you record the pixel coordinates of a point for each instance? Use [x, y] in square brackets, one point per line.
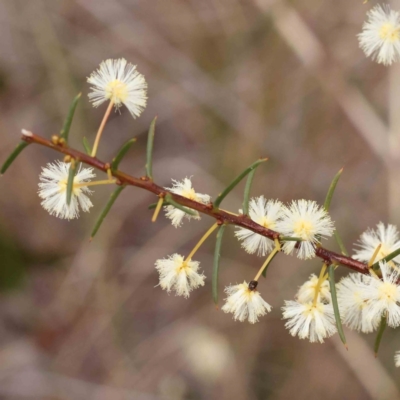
[230, 81]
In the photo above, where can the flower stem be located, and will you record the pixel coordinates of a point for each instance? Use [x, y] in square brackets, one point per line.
[95, 183]
[100, 131]
[158, 208]
[371, 261]
[268, 260]
[321, 279]
[201, 241]
[109, 174]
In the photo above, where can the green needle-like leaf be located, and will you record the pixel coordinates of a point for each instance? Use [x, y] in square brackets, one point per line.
[106, 209]
[335, 305]
[149, 151]
[331, 190]
[86, 145]
[229, 188]
[217, 254]
[389, 257]
[121, 153]
[68, 121]
[152, 206]
[378, 339]
[70, 182]
[172, 202]
[247, 189]
[340, 243]
[13, 156]
[290, 239]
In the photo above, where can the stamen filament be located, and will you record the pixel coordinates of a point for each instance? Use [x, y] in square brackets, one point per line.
[101, 128]
[158, 208]
[268, 260]
[201, 241]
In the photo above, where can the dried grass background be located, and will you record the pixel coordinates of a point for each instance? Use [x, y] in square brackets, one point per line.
[230, 81]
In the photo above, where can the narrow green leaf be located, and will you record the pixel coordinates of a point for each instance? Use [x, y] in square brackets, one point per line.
[121, 153]
[290, 239]
[172, 202]
[389, 257]
[247, 189]
[68, 121]
[106, 209]
[340, 243]
[149, 151]
[264, 273]
[335, 305]
[86, 145]
[229, 188]
[70, 183]
[378, 339]
[154, 205]
[331, 190]
[13, 156]
[217, 254]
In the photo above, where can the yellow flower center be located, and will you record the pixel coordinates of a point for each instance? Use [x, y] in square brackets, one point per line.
[63, 187]
[389, 32]
[190, 194]
[387, 291]
[117, 91]
[303, 229]
[266, 223]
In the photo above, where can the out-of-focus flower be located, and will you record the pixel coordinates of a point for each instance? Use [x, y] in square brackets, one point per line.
[121, 83]
[309, 320]
[185, 189]
[307, 220]
[179, 275]
[387, 237]
[245, 303]
[53, 187]
[397, 359]
[307, 290]
[353, 305]
[265, 213]
[380, 36]
[383, 296]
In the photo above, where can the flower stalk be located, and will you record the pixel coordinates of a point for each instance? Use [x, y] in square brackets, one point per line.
[101, 128]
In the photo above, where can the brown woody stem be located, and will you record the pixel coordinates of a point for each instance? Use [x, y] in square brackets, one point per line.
[208, 209]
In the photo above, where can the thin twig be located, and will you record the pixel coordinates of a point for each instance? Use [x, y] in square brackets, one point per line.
[208, 209]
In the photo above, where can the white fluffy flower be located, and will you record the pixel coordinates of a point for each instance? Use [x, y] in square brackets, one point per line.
[380, 36]
[179, 275]
[245, 303]
[397, 359]
[265, 213]
[309, 321]
[353, 305]
[121, 83]
[185, 189]
[307, 220]
[383, 296]
[387, 237]
[306, 291]
[53, 188]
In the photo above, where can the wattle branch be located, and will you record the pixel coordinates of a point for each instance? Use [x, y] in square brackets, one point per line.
[223, 217]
